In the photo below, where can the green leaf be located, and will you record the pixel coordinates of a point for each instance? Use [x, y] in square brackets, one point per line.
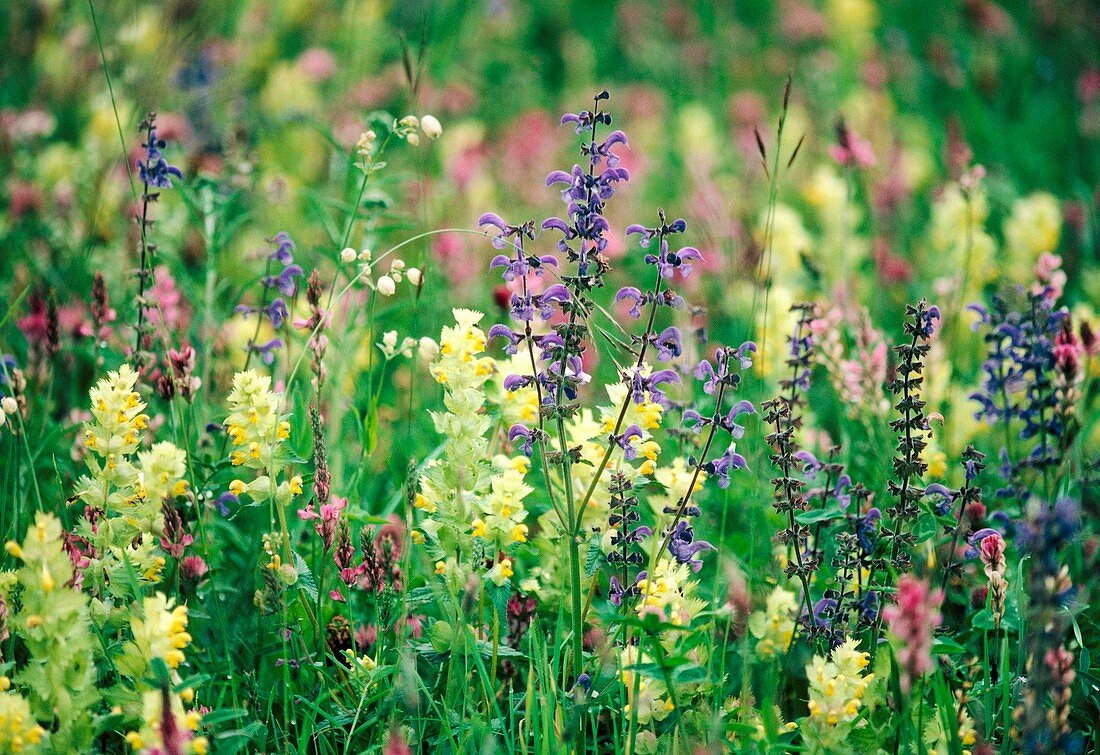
[832, 511]
[305, 577]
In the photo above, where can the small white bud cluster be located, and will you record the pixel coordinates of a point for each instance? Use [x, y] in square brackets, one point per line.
[391, 348]
[410, 127]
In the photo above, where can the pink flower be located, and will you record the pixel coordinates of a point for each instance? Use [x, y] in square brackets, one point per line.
[317, 63]
[912, 619]
[329, 518]
[851, 150]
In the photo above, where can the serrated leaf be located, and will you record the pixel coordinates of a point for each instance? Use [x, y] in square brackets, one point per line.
[591, 562]
[306, 581]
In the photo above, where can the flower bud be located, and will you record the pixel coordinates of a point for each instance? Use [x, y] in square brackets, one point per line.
[428, 348]
[431, 126]
[348, 255]
[386, 286]
[413, 138]
[414, 275]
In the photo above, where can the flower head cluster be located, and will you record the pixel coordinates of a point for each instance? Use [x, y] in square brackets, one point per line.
[1022, 358]
[57, 672]
[913, 617]
[160, 631]
[773, 627]
[668, 593]
[124, 491]
[154, 171]
[837, 689]
[19, 731]
[166, 728]
[254, 426]
[500, 522]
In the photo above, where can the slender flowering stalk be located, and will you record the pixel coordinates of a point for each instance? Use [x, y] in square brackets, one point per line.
[155, 173]
[913, 431]
[784, 414]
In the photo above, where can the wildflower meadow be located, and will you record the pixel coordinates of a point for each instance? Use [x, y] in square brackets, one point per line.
[549, 377]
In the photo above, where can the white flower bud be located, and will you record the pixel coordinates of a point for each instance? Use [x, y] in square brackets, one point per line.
[348, 255]
[409, 122]
[431, 127]
[413, 138]
[386, 286]
[428, 348]
[365, 255]
[9, 405]
[414, 275]
[389, 338]
[397, 264]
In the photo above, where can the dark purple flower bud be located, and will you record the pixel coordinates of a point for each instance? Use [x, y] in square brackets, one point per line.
[943, 506]
[225, 500]
[867, 530]
[284, 281]
[684, 547]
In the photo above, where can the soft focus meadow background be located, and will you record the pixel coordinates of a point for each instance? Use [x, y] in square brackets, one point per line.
[262, 104]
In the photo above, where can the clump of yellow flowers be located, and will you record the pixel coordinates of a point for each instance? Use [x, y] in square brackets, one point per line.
[58, 674]
[161, 631]
[837, 688]
[467, 500]
[19, 731]
[257, 431]
[773, 627]
[126, 486]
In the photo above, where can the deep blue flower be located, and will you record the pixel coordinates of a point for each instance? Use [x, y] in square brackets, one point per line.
[154, 170]
[685, 548]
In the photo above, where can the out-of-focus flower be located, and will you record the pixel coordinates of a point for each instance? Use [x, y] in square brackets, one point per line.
[913, 617]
